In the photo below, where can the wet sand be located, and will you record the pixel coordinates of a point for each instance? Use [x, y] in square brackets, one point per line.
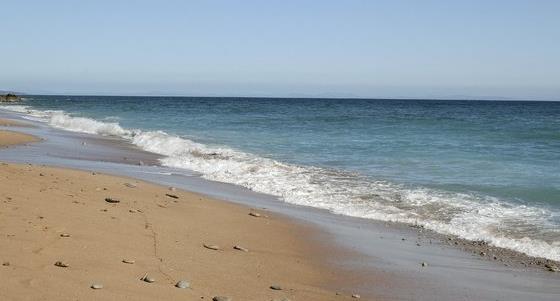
[10, 122]
[9, 138]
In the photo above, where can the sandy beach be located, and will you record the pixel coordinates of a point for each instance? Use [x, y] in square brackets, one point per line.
[111, 231]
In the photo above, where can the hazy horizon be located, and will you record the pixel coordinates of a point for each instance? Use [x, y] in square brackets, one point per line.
[504, 50]
[453, 98]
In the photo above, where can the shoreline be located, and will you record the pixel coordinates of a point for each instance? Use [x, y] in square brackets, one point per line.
[408, 246]
[506, 256]
[221, 248]
[9, 137]
[13, 138]
[169, 238]
[13, 123]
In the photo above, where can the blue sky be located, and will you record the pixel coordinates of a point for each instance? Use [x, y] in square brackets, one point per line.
[455, 49]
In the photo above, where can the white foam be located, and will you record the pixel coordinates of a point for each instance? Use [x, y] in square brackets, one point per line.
[468, 216]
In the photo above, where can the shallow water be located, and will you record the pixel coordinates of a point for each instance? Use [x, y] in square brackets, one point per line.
[479, 170]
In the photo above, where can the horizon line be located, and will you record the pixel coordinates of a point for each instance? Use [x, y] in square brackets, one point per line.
[490, 99]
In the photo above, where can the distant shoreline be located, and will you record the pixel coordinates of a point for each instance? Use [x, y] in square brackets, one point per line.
[458, 99]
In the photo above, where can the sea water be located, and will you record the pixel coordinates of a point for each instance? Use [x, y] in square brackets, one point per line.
[481, 170]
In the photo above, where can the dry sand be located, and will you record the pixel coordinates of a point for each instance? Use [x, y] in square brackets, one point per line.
[162, 234]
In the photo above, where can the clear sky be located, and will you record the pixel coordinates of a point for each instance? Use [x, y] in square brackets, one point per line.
[458, 49]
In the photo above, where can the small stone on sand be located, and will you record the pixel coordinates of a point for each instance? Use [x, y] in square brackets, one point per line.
[97, 286]
[148, 279]
[128, 261]
[61, 264]
[211, 247]
[111, 200]
[551, 267]
[130, 185]
[6, 264]
[276, 287]
[254, 214]
[221, 298]
[240, 248]
[356, 296]
[64, 235]
[172, 196]
[424, 264]
[183, 284]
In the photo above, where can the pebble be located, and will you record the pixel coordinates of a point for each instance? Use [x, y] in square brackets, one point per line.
[111, 200]
[61, 264]
[254, 214]
[97, 286]
[356, 296]
[64, 235]
[276, 287]
[240, 248]
[211, 247]
[130, 185]
[6, 264]
[221, 298]
[172, 196]
[128, 261]
[183, 284]
[551, 267]
[148, 279]
[424, 264]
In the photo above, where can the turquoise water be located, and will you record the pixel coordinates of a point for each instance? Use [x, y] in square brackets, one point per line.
[477, 169]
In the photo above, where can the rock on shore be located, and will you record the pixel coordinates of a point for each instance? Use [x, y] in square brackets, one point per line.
[9, 98]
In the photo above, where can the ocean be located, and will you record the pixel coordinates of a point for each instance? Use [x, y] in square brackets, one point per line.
[480, 170]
